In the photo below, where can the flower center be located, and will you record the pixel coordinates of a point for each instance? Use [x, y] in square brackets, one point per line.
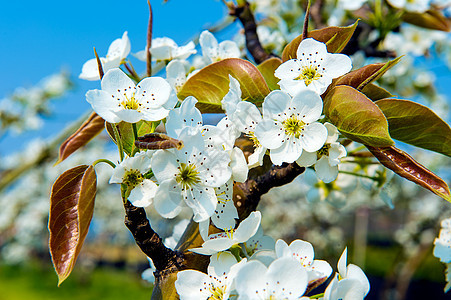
[217, 292]
[293, 126]
[130, 103]
[188, 175]
[308, 74]
[132, 178]
[323, 151]
[253, 139]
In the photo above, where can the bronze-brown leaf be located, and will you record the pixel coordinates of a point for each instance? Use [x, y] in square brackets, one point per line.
[405, 166]
[87, 131]
[156, 140]
[71, 210]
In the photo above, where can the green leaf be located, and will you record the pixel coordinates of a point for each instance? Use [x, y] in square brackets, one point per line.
[126, 132]
[431, 19]
[415, 124]
[360, 78]
[71, 210]
[211, 84]
[335, 38]
[267, 68]
[375, 92]
[357, 117]
[87, 131]
[404, 165]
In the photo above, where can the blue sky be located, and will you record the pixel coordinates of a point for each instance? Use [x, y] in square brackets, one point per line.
[39, 38]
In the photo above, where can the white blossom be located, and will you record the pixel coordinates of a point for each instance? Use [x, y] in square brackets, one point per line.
[313, 68]
[283, 279]
[165, 49]
[121, 100]
[326, 159]
[117, 52]
[289, 125]
[131, 173]
[213, 52]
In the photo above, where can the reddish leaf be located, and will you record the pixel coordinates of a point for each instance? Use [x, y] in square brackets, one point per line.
[155, 141]
[267, 68]
[211, 84]
[357, 117]
[415, 124]
[404, 165]
[71, 209]
[431, 19]
[335, 39]
[375, 92]
[87, 131]
[361, 77]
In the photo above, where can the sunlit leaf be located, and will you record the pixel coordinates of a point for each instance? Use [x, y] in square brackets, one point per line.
[334, 37]
[360, 78]
[375, 92]
[267, 69]
[71, 209]
[87, 131]
[211, 84]
[357, 117]
[404, 165]
[431, 19]
[126, 133]
[417, 125]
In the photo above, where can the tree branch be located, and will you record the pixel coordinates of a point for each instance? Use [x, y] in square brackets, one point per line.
[148, 240]
[248, 194]
[253, 45]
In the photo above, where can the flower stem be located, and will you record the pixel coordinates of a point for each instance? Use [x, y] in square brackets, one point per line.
[118, 142]
[317, 296]
[360, 175]
[104, 161]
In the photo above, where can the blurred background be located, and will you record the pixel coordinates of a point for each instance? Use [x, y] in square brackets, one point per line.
[45, 44]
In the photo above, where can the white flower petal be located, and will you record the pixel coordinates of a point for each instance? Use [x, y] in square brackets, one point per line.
[209, 45]
[202, 201]
[314, 136]
[256, 158]
[192, 285]
[90, 70]
[168, 199]
[246, 117]
[308, 105]
[275, 104]
[307, 159]
[164, 165]
[290, 69]
[337, 65]
[270, 134]
[103, 105]
[248, 227]
[143, 194]
[325, 171]
[117, 83]
[311, 46]
[228, 49]
[153, 92]
[292, 87]
[290, 151]
[287, 278]
[238, 165]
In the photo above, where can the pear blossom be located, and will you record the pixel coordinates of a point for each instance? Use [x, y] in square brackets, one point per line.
[224, 240]
[117, 52]
[165, 49]
[326, 159]
[302, 252]
[259, 242]
[213, 52]
[189, 175]
[285, 278]
[289, 125]
[187, 115]
[217, 284]
[313, 68]
[350, 283]
[131, 172]
[121, 100]
[176, 74]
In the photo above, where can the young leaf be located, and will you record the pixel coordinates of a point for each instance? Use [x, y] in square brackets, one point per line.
[211, 84]
[126, 133]
[415, 124]
[71, 209]
[155, 141]
[335, 38]
[267, 69]
[431, 19]
[362, 77]
[357, 117]
[375, 92]
[405, 166]
[87, 131]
